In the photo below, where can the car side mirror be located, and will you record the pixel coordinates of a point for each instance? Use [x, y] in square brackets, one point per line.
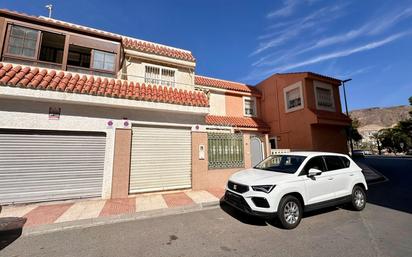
[314, 172]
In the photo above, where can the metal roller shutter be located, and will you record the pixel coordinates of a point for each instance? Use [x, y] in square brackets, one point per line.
[161, 159]
[42, 166]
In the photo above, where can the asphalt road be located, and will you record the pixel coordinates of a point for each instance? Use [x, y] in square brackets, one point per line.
[384, 228]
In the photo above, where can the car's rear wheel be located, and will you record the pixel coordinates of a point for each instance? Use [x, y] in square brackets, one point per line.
[290, 212]
[358, 198]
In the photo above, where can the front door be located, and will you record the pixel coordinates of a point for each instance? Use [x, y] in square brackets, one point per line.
[256, 152]
[318, 188]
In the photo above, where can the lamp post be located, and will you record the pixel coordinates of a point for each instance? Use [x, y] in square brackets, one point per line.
[347, 114]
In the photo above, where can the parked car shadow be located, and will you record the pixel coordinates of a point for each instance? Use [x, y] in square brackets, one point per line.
[242, 217]
[11, 229]
[256, 221]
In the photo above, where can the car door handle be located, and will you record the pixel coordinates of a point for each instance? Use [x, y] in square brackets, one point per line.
[351, 174]
[330, 178]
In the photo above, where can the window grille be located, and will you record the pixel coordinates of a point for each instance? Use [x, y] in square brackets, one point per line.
[159, 76]
[324, 97]
[225, 150]
[293, 98]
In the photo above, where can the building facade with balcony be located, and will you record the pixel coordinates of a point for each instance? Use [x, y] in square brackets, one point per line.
[88, 113]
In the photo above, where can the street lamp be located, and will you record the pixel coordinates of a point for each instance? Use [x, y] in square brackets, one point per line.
[347, 114]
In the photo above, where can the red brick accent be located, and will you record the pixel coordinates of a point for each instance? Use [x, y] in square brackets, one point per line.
[30, 77]
[118, 206]
[177, 199]
[45, 214]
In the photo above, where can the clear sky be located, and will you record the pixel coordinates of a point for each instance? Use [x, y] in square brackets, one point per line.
[369, 41]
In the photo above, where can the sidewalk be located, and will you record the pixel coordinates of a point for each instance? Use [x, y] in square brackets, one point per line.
[40, 214]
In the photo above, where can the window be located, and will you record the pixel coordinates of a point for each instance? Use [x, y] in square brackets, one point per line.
[281, 163]
[79, 56]
[314, 163]
[333, 163]
[159, 76]
[249, 106]
[225, 150]
[293, 97]
[273, 143]
[22, 41]
[324, 96]
[52, 47]
[103, 60]
[168, 78]
[88, 58]
[345, 161]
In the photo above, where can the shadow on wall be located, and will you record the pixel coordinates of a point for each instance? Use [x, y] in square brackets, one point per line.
[11, 229]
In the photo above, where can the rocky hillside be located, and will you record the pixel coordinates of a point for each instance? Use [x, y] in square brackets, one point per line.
[384, 117]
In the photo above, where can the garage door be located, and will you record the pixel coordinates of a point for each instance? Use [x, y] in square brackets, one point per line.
[42, 166]
[161, 159]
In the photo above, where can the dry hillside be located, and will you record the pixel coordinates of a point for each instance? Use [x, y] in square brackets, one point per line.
[384, 117]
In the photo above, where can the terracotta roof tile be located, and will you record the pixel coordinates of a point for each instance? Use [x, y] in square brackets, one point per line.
[245, 122]
[152, 48]
[33, 78]
[225, 84]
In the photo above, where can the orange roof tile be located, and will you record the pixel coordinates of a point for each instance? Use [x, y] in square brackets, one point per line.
[148, 47]
[54, 80]
[225, 84]
[245, 122]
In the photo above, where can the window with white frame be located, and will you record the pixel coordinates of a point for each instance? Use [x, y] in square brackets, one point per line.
[249, 106]
[159, 76]
[293, 97]
[324, 96]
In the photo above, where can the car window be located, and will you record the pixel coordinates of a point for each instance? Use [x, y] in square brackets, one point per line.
[346, 161]
[315, 163]
[281, 163]
[333, 163]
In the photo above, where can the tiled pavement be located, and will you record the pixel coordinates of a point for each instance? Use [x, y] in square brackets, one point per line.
[50, 213]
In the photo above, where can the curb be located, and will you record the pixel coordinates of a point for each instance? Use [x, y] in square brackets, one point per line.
[87, 223]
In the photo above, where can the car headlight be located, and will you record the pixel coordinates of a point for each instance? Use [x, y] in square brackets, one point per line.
[263, 188]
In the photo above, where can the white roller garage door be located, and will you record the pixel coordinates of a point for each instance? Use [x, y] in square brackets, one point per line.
[161, 159]
[43, 165]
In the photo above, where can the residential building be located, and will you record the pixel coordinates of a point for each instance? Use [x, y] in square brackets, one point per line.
[304, 112]
[88, 113]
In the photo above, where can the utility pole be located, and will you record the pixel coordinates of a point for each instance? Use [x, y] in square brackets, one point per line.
[50, 8]
[347, 114]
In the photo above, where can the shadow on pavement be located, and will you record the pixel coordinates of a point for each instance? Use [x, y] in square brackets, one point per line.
[396, 192]
[10, 229]
[256, 221]
[242, 217]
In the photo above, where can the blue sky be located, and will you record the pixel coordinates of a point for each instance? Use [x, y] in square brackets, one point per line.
[369, 41]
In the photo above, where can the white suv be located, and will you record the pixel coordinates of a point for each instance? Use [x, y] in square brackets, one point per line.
[287, 185]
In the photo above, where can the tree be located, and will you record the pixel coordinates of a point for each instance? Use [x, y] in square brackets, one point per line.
[398, 138]
[353, 131]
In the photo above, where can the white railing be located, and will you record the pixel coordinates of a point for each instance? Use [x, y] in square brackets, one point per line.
[279, 151]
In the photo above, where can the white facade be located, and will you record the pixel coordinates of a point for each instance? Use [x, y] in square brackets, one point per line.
[29, 109]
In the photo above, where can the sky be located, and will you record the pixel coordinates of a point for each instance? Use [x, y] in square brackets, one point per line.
[369, 41]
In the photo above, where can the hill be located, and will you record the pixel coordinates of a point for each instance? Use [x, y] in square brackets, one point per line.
[385, 117]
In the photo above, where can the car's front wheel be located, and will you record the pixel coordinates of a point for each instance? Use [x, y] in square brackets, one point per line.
[358, 198]
[290, 212]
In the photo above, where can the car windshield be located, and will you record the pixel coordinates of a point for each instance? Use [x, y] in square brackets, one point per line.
[281, 163]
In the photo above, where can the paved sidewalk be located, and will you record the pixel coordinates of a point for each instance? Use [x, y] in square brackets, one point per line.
[51, 213]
